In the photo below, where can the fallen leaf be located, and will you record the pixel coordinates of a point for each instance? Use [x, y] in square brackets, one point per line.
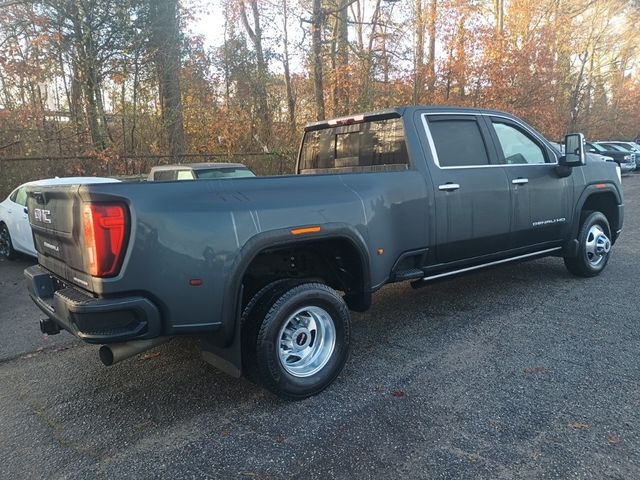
[614, 440]
[579, 426]
[398, 393]
[150, 356]
[280, 439]
[224, 434]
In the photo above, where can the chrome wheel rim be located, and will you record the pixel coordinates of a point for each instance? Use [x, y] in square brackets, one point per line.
[597, 245]
[5, 242]
[306, 341]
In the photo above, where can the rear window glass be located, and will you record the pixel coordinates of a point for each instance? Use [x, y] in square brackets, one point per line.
[458, 143]
[165, 175]
[378, 145]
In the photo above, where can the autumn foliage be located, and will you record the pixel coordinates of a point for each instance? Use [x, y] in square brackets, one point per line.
[130, 78]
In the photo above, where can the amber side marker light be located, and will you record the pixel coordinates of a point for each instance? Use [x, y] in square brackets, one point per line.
[303, 231]
[601, 185]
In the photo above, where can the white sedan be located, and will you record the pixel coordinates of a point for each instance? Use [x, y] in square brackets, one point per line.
[15, 231]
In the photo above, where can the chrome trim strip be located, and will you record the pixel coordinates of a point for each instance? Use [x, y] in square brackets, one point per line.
[484, 265]
[434, 153]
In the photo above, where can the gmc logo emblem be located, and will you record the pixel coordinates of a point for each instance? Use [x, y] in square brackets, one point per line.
[42, 215]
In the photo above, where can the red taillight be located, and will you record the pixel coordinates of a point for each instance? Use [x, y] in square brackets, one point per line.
[105, 230]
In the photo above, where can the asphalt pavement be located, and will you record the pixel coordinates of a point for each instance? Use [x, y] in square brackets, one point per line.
[522, 371]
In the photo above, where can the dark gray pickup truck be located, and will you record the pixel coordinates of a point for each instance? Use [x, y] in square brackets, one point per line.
[254, 266]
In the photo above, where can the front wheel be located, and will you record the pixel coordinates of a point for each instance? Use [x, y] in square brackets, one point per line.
[6, 246]
[302, 342]
[594, 248]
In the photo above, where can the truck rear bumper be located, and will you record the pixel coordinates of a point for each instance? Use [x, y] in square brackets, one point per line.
[94, 320]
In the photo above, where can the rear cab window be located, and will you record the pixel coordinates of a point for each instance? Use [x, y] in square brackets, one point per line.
[366, 146]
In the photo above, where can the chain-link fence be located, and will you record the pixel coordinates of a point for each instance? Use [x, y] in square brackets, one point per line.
[15, 171]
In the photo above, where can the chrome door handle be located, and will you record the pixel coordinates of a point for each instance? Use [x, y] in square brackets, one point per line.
[448, 187]
[520, 181]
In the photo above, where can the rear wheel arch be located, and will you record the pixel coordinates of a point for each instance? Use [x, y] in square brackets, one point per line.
[236, 294]
[336, 260]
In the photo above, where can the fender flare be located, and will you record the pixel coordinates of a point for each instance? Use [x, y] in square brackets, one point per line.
[232, 303]
[589, 190]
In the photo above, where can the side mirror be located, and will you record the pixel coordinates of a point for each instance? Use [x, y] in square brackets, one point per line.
[574, 153]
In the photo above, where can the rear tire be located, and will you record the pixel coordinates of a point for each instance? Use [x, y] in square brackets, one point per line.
[302, 336]
[6, 245]
[594, 246]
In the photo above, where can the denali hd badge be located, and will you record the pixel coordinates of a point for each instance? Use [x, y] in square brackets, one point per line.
[42, 215]
[549, 222]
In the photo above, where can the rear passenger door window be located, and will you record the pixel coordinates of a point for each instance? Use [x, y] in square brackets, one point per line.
[518, 148]
[458, 141]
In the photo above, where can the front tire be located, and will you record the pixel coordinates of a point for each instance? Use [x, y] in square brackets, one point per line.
[6, 245]
[594, 246]
[302, 342]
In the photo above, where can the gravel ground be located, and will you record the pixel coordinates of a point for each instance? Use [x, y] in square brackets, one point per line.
[518, 372]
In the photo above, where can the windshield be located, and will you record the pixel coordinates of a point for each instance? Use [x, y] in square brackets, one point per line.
[597, 148]
[227, 172]
[618, 148]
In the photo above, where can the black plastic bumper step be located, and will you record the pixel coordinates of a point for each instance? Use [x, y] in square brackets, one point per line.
[410, 274]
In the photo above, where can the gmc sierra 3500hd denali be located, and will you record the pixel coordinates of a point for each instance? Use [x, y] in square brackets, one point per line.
[253, 266]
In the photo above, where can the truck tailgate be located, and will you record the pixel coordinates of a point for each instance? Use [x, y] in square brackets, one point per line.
[55, 215]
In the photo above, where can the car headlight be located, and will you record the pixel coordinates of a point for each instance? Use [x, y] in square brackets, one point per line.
[619, 172]
[627, 158]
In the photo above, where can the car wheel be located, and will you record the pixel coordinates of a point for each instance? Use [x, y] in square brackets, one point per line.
[6, 246]
[251, 319]
[302, 339]
[594, 250]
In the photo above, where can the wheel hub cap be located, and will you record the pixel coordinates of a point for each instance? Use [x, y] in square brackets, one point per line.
[603, 245]
[303, 338]
[306, 341]
[597, 245]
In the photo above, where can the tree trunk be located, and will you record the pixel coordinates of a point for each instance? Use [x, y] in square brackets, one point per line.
[431, 61]
[87, 78]
[317, 24]
[255, 34]
[499, 13]
[166, 42]
[291, 100]
[341, 96]
[418, 74]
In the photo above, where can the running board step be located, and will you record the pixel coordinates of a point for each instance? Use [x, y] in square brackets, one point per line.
[409, 274]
